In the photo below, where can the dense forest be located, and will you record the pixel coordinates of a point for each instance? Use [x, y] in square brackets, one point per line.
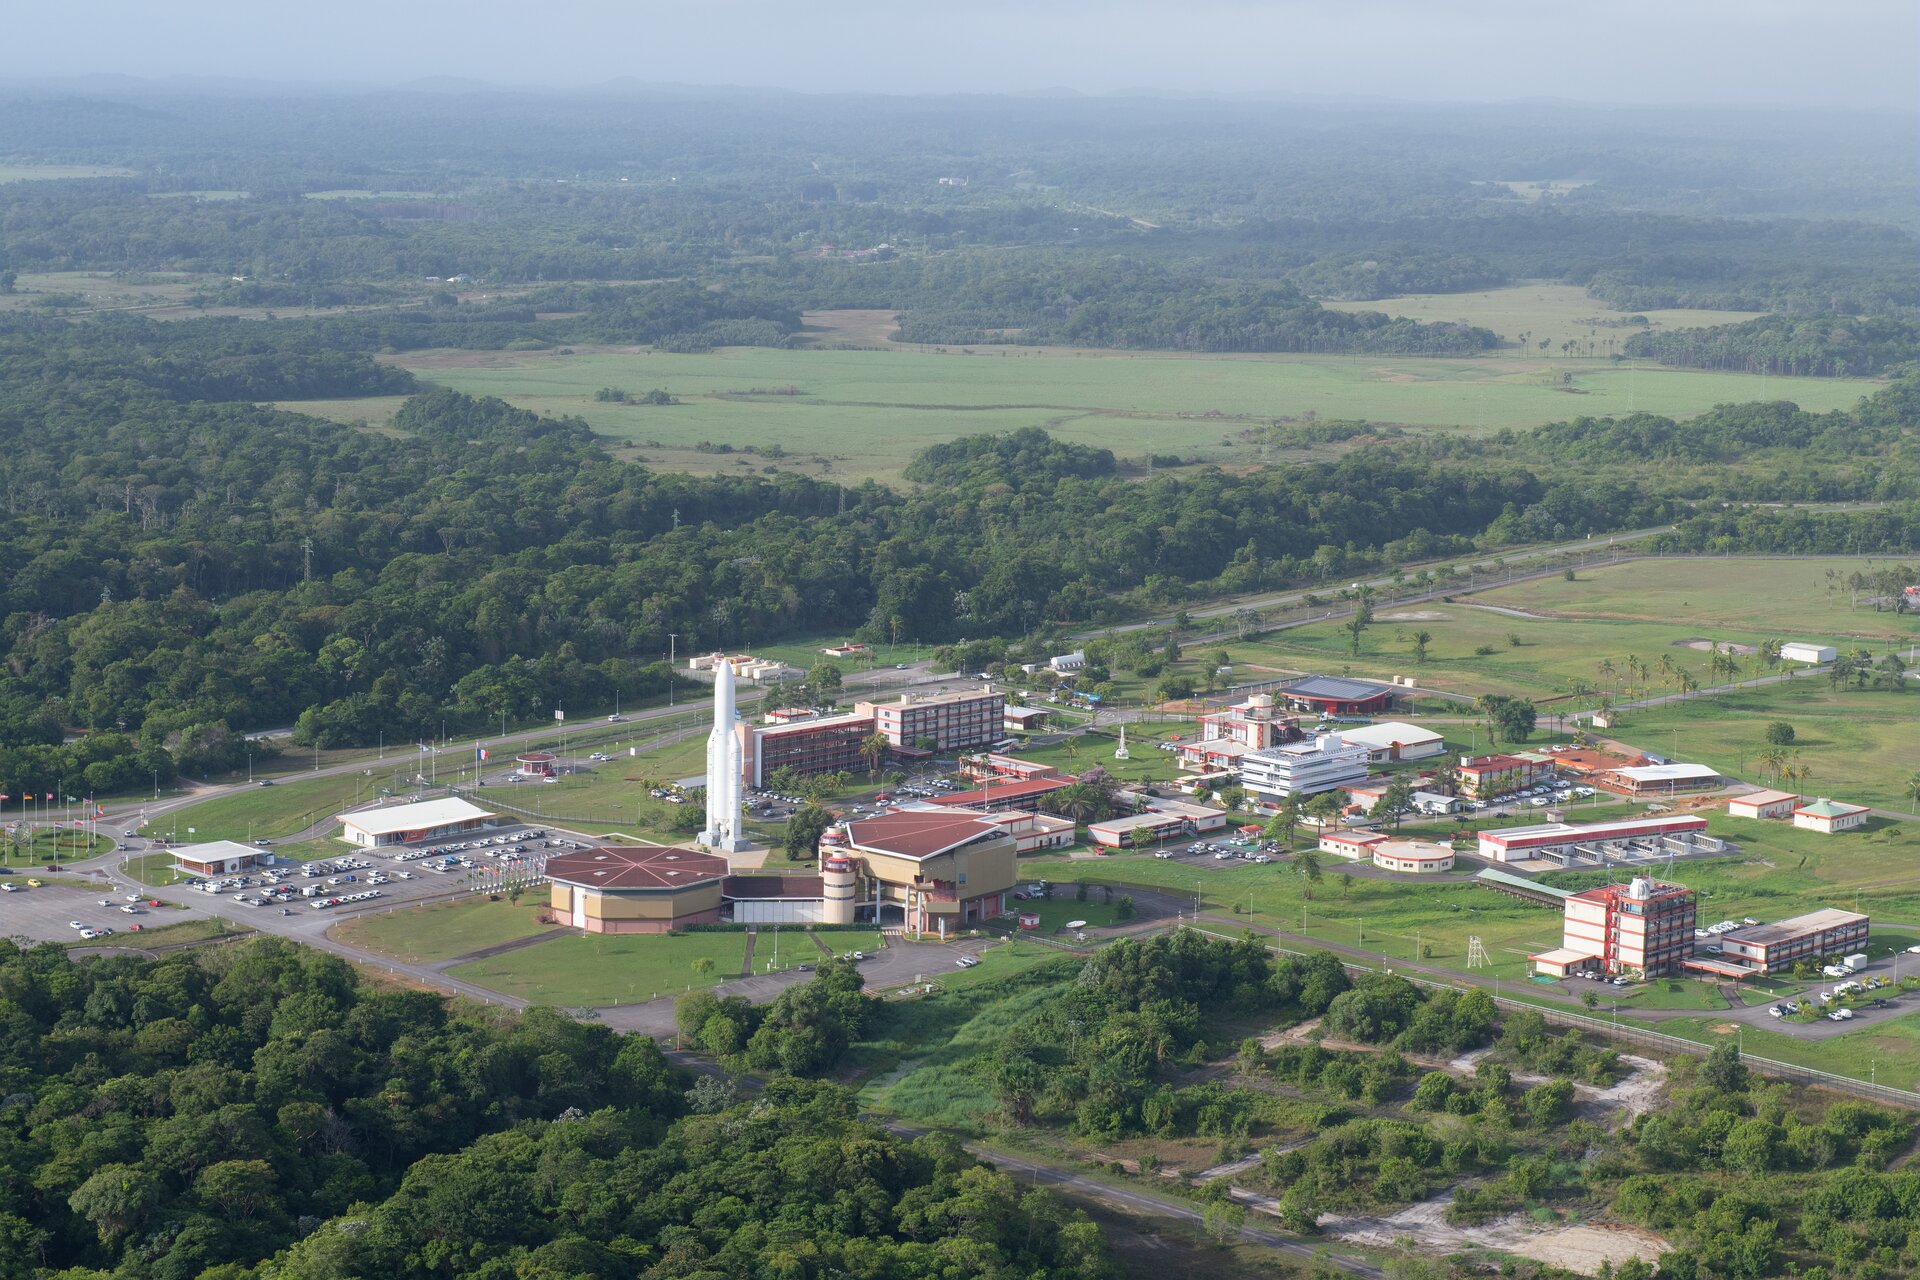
[1820, 346]
[255, 1111]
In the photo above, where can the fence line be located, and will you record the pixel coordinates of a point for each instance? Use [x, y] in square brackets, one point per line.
[1642, 1036]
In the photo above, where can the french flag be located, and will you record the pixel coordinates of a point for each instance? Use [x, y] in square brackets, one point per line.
[479, 753]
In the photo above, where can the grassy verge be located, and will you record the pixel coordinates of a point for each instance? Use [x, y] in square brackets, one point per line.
[443, 930]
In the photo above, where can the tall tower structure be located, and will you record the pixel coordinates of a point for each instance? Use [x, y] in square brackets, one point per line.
[724, 833]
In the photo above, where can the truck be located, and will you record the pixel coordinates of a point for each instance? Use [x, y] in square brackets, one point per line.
[1855, 962]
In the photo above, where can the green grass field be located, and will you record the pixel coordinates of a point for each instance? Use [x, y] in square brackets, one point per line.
[56, 172]
[589, 970]
[1788, 599]
[269, 812]
[48, 845]
[865, 414]
[1553, 313]
[444, 930]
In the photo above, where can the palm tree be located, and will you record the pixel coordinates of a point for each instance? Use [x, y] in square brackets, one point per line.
[1912, 785]
[1687, 683]
[874, 748]
[1775, 759]
[1606, 669]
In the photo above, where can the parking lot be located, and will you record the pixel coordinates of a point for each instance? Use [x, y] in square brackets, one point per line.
[283, 898]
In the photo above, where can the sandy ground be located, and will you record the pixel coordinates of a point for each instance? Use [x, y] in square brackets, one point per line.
[1706, 646]
[1577, 1248]
[1413, 615]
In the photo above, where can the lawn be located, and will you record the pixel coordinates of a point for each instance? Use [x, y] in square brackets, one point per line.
[1885, 1050]
[583, 970]
[865, 414]
[275, 812]
[205, 929]
[444, 930]
[50, 845]
[58, 172]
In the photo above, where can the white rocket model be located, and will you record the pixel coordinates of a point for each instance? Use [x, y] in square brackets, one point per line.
[723, 833]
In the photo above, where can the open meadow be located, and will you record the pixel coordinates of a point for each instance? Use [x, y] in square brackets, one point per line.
[864, 414]
[1547, 312]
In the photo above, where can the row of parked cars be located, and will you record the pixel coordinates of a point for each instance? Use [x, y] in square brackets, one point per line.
[1538, 797]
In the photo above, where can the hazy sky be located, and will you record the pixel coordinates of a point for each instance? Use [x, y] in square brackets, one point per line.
[1802, 52]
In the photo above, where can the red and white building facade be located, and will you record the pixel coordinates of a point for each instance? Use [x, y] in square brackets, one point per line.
[1644, 927]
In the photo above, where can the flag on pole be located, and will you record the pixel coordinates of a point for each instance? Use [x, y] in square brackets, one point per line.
[479, 753]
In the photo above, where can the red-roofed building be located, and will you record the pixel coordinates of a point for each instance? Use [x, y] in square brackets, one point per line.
[626, 890]
[999, 796]
[1644, 927]
[932, 871]
[1497, 774]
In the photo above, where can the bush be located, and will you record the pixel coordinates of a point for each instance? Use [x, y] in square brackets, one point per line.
[1780, 733]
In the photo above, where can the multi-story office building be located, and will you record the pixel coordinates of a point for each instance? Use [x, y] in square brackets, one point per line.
[1321, 763]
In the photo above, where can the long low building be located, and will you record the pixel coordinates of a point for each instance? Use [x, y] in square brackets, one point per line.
[1139, 830]
[1394, 740]
[1758, 949]
[411, 823]
[1829, 817]
[996, 797]
[1563, 842]
[1661, 779]
[216, 858]
[1763, 804]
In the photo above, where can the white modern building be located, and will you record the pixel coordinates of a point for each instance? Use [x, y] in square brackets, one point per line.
[1815, 653]
[1394, 740]
[1321, 763]
[409, 823]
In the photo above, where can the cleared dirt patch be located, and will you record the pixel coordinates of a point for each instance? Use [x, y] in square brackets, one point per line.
[862, 328]
[1706, 646]
[1580, 1248]
[1414, 615]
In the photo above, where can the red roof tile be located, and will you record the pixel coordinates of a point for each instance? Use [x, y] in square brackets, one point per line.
[650, 868]
[918, 833]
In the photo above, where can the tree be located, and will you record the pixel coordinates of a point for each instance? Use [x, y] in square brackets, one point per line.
[1397, 799]
[1123, 908]
[1779, 733]
[1551, 1104]
[1306, 864]
[1421, 639]
[117, 1200]
[1723, 1069]
[824, 682]
[875, 747]
[1224, 1220]
[1174, 688]
[1508, 719]
[804, 830]
[702, 966]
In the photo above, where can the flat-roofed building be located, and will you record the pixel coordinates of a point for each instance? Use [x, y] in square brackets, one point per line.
[963, 720]
[1643, 927]
[810, 745]
[1830, 817]
[636, 890]
[1557, 841]
[1322, 763]
[1483, 777]
[1764, 804]
[1139, 830]
[410, 823]
[1419, 857]
[1031, 832]
[999, 768]
[1342, 842]
[1392, 740]
[1756, 949]
[216, 858]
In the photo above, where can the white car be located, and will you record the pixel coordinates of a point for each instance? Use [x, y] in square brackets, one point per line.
[9, 887]
[967, 962]
[75, 924]
[88, 933]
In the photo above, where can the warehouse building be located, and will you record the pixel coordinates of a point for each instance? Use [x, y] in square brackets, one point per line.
[1139, 830]
[1600, 841]
[1830, 817]
[1644, 927]
[409, 823]
[1757, 949]
[1394, 740]
[1322, 763]
[1814, 653]
[1764, 804]
[1336, 696]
